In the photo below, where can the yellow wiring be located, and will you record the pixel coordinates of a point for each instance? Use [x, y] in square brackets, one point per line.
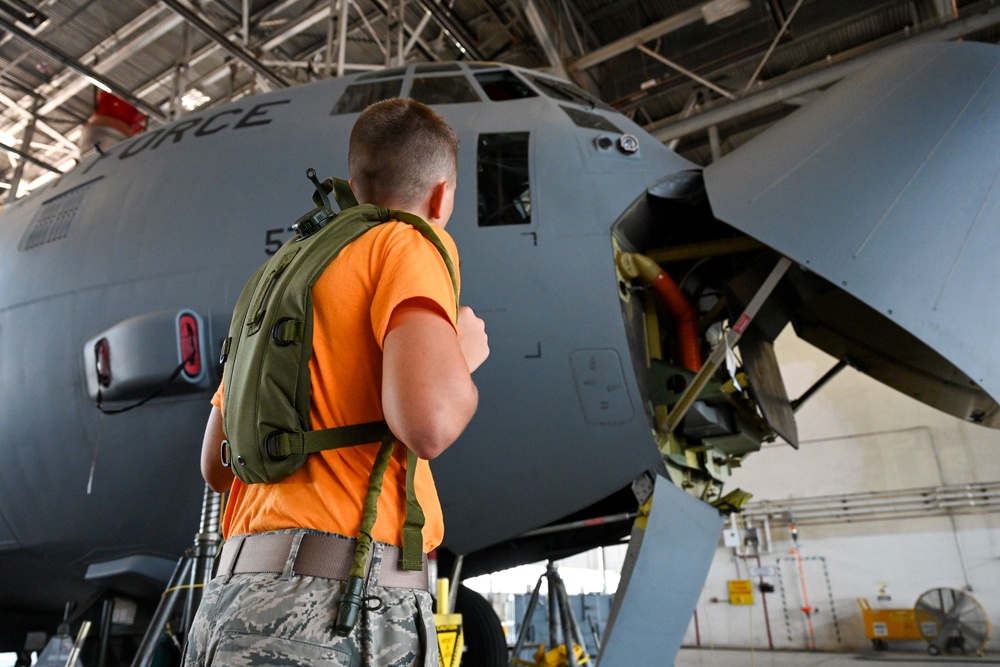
[180, 588]
[640, 521]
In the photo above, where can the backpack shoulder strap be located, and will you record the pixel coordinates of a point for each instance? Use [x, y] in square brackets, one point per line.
[421, 226]
[342, 193]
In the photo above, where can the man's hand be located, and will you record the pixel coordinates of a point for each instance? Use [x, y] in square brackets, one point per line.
[218, 477]
[472, 337]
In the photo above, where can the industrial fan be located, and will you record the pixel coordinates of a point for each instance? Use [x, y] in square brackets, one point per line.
[951, 620]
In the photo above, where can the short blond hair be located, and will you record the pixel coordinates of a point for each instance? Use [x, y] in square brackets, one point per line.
[399, 150]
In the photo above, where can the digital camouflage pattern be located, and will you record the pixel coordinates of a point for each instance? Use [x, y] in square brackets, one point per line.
[264, 620]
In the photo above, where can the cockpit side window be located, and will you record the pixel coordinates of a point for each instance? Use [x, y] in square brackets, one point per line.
[382, 73]
[567, 93]
[589, 120]
[504, 189]
[443, 90]
[503, 85]
[360, 95]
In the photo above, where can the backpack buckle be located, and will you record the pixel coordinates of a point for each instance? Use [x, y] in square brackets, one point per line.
[283, 335]
[270, 446]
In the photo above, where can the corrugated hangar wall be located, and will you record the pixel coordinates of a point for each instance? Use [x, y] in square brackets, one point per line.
[861, 444]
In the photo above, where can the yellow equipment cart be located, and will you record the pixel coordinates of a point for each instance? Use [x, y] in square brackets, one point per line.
[881, 625]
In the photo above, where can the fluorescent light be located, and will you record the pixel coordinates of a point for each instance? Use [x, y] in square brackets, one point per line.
[193, 99]
[99, 84]
[722, 9]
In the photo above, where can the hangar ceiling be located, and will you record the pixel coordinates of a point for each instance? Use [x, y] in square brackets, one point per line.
[702, 75]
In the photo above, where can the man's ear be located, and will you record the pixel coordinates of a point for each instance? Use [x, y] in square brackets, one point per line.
[436, 203]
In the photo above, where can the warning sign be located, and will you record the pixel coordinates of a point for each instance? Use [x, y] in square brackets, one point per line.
[449, 646]
[740, 591]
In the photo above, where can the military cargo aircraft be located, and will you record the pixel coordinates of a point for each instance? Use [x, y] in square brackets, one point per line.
[631, 298]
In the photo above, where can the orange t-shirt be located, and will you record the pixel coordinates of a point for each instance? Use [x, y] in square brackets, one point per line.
[352, 303]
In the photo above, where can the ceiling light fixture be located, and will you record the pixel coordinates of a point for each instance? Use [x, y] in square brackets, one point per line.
[193, 99]
[24, 12]
[723, 9]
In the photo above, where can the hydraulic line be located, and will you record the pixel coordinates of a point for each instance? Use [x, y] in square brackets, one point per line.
[635, 265]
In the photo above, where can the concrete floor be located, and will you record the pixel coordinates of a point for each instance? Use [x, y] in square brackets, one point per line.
[704, 657]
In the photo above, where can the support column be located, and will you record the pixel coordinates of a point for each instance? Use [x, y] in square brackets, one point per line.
[946, 9]
[401, 35]
[29, 132]
[543, 33]
[177, 92]
[329, 38]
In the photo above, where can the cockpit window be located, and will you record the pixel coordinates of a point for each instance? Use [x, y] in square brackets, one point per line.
[443, 90]
[567, 93]
[382, 73]
[360, 95]
[503, 85]
[503, 186]
[426, 68]
[591, 121]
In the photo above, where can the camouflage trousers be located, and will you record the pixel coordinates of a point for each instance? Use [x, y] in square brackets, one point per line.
[264, 620]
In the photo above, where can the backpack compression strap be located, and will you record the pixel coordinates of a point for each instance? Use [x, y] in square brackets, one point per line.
[413, 524]
[310, 442]
[280, 445]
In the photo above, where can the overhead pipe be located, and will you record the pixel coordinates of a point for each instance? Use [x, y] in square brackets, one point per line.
[29, 158]
[67, 61]
[629, 42]
[29, 132]
[635, 265]
[447, 20]
[929, 501]
[233, 49]
[25, 13]
[422, 46]
[670, 128]
[709, 12]
[543, 33]
[104, 61]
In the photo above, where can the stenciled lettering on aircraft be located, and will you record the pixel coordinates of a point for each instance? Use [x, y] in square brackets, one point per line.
[228, 119]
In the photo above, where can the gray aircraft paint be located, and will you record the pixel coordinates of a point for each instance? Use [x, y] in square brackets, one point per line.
[178, 219]
[667, 560]
[889, 188]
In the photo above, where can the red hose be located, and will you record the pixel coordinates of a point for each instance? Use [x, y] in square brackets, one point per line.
[685, 318]
[634, 265]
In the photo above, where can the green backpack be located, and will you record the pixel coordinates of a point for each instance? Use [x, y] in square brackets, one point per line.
[266, 357]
